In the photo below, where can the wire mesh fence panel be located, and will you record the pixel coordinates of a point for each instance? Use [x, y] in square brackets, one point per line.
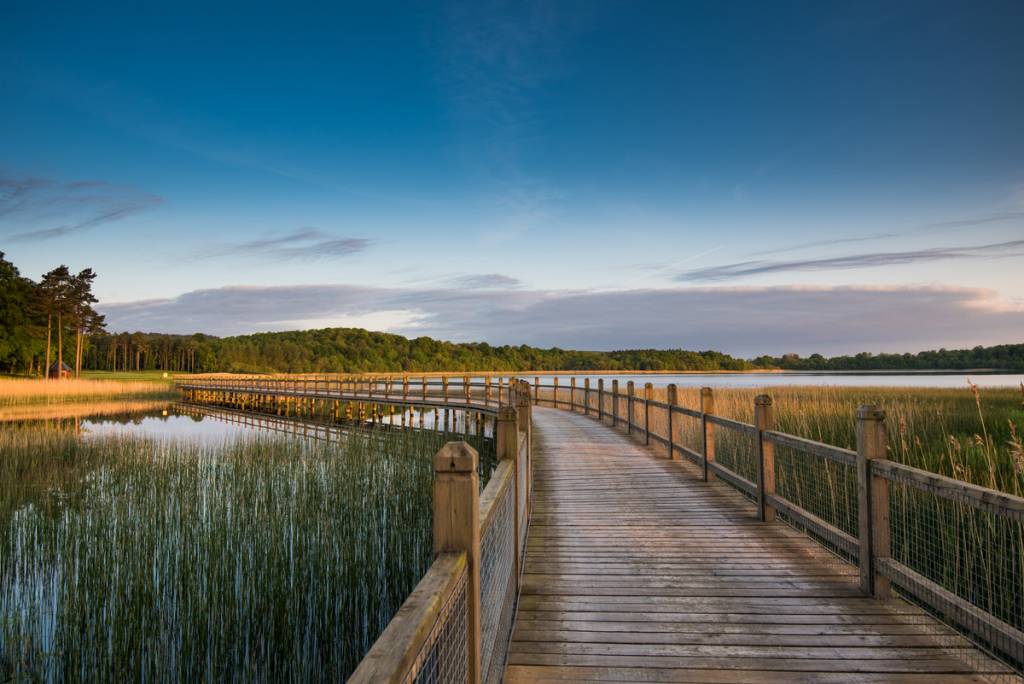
[826, 489]
[443, 658]
[497, 583]
[974, 556]
[658, 421]
[737, 451]
[687, 434]
[522, 476]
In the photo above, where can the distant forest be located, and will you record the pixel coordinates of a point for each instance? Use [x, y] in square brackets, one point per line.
[37, 318]
[353, 350]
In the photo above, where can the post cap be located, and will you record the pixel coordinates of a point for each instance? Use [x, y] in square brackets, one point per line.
[456, 457]
[705, 391]
[870, 412]
[763, 400]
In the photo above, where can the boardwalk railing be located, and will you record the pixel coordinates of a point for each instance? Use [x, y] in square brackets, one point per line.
[954, 548]
[464, 391]
[457, 623]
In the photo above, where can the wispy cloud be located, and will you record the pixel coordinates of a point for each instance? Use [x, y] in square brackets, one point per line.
[300, 244]
[964, 222]
[37, 209]
[483, 281]
[744, 321]
[998, 250]
[995, 217]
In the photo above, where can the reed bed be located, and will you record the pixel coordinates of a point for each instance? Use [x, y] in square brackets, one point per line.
[39, 390]
[265, 559]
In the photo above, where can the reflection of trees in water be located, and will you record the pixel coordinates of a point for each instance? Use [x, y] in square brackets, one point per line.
[65, 415]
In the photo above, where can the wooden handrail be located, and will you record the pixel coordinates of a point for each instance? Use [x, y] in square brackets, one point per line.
[462, 518]
[395, 655]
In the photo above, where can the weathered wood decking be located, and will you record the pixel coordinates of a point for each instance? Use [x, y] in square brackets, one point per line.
[636, 570]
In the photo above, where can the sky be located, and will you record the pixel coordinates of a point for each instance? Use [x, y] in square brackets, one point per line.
[757, 178]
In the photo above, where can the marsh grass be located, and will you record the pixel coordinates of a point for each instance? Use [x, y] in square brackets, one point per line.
[15, 391]
[265, 559]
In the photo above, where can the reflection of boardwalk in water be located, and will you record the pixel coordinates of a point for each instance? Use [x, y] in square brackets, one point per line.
[328, 431]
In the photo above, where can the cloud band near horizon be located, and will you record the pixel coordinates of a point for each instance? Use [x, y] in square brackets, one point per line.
[741, 321]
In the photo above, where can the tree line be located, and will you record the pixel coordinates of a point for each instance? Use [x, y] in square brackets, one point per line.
[354, 350]
[998, 357]
[36, 318]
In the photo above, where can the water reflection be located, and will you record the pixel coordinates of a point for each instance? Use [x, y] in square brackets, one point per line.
[162, 420]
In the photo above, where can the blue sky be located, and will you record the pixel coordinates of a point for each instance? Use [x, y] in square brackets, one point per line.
[753, 177]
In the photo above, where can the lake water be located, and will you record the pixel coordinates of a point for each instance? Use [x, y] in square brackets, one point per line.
[849, 379]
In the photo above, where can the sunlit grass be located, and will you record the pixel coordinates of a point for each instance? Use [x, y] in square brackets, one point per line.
[40, 390]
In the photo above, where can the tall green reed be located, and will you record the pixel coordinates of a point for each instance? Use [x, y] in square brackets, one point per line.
[266, 559]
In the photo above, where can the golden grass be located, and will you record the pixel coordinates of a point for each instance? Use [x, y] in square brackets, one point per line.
[35, 390]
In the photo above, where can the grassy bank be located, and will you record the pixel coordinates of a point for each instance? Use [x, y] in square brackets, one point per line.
[98, 387]
[268, 559]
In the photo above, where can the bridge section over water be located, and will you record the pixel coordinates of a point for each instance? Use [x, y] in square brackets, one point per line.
[685, 550]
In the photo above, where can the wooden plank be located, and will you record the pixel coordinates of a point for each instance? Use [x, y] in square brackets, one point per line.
[517, 674]
[637, 570]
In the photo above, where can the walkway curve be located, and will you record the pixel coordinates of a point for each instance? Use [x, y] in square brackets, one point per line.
[636, 570]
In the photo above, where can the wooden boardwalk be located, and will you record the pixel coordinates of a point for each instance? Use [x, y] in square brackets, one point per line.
[636, 570]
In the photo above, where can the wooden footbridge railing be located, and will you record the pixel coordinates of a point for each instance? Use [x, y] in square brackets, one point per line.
[952, 548]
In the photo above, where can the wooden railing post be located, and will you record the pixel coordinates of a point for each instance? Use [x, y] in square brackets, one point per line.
[507, 437]
[707, 408]
[764, 419]
[457, 528]
[444, 388]
[572, 393]
[555, 380]
[600, 399]
[615, 403]
[648, 398]
[586, 396]
[630, 392]
[872, 501]
[672, 398]
[525, 422]
[505, 432]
